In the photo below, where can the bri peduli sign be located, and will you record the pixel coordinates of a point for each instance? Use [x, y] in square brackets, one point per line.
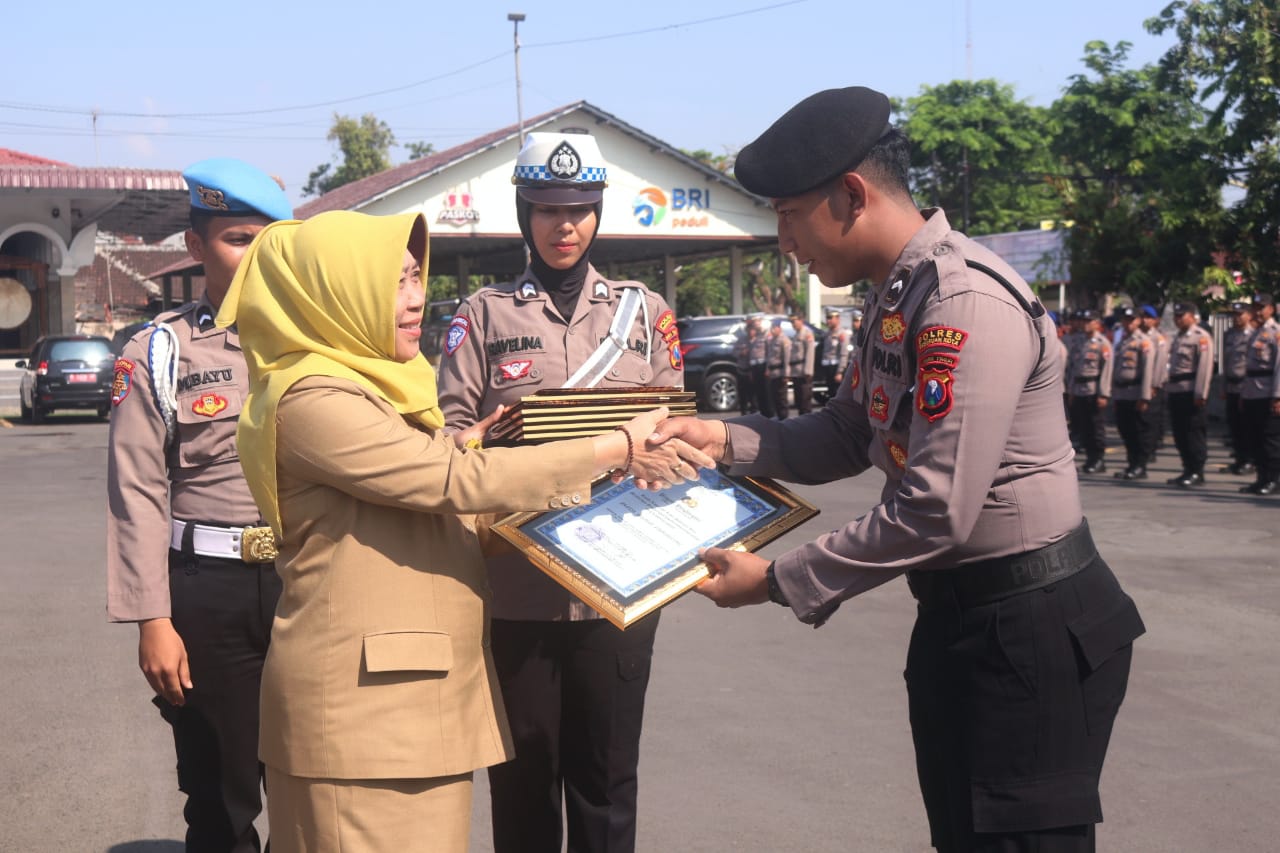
[651, 205]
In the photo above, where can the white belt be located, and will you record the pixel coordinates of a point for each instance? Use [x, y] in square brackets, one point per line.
[250, 544]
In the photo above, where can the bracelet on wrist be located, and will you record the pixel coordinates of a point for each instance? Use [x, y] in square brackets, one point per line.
[631, 452]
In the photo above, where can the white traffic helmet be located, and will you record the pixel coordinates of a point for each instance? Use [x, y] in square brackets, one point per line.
[560, 168]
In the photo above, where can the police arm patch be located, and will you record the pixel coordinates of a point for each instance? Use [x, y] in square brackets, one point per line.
[458, 330]
[122, 384]
[935, 397]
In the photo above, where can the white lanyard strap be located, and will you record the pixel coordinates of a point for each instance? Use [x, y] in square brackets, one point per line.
[615, 344]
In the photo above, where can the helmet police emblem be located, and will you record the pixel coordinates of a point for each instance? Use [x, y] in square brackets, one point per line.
[564, 162]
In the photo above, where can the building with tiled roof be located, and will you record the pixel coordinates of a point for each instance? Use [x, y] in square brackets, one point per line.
[50, 213]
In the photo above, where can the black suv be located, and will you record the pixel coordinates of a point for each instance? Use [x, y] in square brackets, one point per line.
[710, 366]
[67, 372]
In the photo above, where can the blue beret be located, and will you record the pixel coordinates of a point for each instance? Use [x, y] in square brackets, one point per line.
[227, 187]
[1150, 311]
[825, 135]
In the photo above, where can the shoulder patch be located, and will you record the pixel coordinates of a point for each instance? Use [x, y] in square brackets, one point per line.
[935, 396]
[123, 382]
[458, 330]
[941, 337]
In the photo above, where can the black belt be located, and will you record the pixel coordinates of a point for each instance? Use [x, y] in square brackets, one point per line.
[992, 580]
[1257, 373]
[1181, 377]
[1123, 384]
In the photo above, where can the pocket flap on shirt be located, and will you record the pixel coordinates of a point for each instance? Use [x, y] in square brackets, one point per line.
[1102, 634]
[411, 651]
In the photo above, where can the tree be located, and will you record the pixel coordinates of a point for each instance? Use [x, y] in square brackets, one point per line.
[418, 150]
[979, 130]
[1141, 179]
[1233, 48]
[722, 163]
[365, 145]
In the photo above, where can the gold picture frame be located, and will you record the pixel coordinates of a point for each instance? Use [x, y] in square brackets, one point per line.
[630, 552]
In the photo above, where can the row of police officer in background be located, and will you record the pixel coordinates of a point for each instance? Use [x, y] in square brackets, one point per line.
[1147, 370]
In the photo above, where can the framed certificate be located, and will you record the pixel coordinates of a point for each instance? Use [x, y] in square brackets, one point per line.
[631, 551]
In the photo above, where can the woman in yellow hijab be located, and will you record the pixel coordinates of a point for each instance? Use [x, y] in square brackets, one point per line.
[379, 697]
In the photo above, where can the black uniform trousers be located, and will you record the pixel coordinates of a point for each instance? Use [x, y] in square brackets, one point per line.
[778, 391]
[1262, 437]
[574, 693]
[1134, 431]
[1155, 423]
[1012, 705]
[746, 391]
[1190, 430]
[1235, 429]
[764, 394]
[222, 609]
[1089, 426]
[802, 387]
[829, 380]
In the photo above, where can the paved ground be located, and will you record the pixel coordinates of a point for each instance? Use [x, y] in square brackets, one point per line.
[761, 734]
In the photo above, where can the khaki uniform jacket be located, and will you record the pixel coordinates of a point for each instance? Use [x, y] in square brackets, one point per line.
[196, 478]
[1262, 366]
[1235, 352]
[508, 341]
[961, 410]
[1090, 368]
[379, 666]
[1134, 376]
[835, 350]
[802, 351]
[777, 356]
[1191, 363]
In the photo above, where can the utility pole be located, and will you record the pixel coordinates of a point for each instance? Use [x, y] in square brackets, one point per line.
[968, 70]
[515, 18]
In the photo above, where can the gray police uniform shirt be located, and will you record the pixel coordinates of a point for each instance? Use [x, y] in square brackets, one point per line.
[1262, 366]
[1161, 367]
[1089, 367]
[1191, 363]
[1133, 376]
[955, 393]
[196, 477]
[508, 341]
[1235, 352]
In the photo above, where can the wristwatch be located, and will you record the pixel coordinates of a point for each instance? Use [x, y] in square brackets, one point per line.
[775, 591]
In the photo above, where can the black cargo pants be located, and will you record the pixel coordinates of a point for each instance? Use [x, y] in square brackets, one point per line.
[1011, 708]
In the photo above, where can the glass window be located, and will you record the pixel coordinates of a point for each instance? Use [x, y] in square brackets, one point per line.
[90, 351]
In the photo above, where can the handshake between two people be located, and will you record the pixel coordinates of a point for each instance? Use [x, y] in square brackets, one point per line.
[660, 452]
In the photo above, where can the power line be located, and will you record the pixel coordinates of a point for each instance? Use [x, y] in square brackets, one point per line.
[12, 105]
[667, 26]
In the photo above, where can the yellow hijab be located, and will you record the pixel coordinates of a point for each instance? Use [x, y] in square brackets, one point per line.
[317, 298]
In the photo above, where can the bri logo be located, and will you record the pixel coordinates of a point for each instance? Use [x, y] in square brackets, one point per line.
[650, 206]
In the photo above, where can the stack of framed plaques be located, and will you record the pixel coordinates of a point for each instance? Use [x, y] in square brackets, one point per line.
[555, 413]
[630, 551]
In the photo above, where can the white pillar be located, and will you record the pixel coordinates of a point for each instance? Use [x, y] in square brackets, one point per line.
[669, 281]
[735, 280]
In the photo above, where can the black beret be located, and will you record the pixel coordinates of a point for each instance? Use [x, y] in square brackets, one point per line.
[1086, 314]
[824, 135]
[1240, 307]
[1186, 308]
[1262, 299]
[1126, 313]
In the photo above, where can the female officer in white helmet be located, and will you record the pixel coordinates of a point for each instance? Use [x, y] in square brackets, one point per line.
[573, 684]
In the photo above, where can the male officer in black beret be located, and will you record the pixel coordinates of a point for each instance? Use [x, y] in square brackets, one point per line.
[1020, 654]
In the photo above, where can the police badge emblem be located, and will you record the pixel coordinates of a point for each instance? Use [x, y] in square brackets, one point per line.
[564, 163]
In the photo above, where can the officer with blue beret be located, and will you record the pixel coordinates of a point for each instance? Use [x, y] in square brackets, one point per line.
[188, 558]
[955, 395]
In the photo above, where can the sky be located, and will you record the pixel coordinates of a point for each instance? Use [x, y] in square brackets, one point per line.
[172, 83]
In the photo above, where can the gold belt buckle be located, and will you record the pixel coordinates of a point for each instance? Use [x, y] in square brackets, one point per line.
[258, 545]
